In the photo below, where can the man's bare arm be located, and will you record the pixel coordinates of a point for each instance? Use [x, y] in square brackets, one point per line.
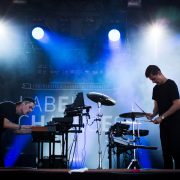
[20, 129]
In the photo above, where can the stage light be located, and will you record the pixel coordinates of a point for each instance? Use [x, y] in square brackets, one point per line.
[38, 33]
[134, 3]
[156, 31]
[114, 35]
[3, 29]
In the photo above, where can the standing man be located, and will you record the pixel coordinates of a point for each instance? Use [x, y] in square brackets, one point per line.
[9, 119]
[167, 107]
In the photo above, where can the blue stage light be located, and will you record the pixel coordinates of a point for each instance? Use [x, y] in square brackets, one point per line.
[114, 35]
[38, 33]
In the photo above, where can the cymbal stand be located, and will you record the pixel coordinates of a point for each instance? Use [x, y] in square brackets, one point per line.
[134, 164]
[98, 120]
[138, 135]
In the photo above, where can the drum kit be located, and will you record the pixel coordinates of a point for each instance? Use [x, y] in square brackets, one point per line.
[119, 129]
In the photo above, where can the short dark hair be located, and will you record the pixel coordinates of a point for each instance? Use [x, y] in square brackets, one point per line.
[28, 99]
[152, 69]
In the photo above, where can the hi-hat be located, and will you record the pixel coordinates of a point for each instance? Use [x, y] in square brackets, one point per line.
[141, 132]
[133, 115]
[101, 98]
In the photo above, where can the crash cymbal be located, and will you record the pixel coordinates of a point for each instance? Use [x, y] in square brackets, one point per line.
[132, 115]
[101, 98]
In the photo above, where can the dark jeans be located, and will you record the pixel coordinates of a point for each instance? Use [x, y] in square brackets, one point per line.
[170, 142]
[1, 161]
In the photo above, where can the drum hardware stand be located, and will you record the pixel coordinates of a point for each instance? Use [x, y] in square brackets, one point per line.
[99, 116]
[134, 164]
[100, 99]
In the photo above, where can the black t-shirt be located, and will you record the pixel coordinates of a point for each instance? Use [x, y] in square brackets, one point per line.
[165, 94]
[8, 110]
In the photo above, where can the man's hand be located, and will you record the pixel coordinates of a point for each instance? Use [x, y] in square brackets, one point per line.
[149, 116]
[158, 120]
[24, 129]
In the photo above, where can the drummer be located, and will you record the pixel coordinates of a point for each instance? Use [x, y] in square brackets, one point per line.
[167, 106]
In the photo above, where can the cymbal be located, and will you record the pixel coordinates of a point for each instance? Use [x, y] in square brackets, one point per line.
[130, 122]
[132, 115]
[101, 98]
[142, 132]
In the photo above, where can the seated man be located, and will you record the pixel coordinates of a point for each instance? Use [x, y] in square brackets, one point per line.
[9, 119]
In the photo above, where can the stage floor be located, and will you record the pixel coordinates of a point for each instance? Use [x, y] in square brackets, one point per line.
[29, 173]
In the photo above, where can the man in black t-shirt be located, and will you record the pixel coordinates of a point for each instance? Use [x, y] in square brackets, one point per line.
[167, 107]
[9, 119]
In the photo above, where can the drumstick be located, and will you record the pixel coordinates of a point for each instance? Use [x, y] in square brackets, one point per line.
[141, 109]
[144, 112]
